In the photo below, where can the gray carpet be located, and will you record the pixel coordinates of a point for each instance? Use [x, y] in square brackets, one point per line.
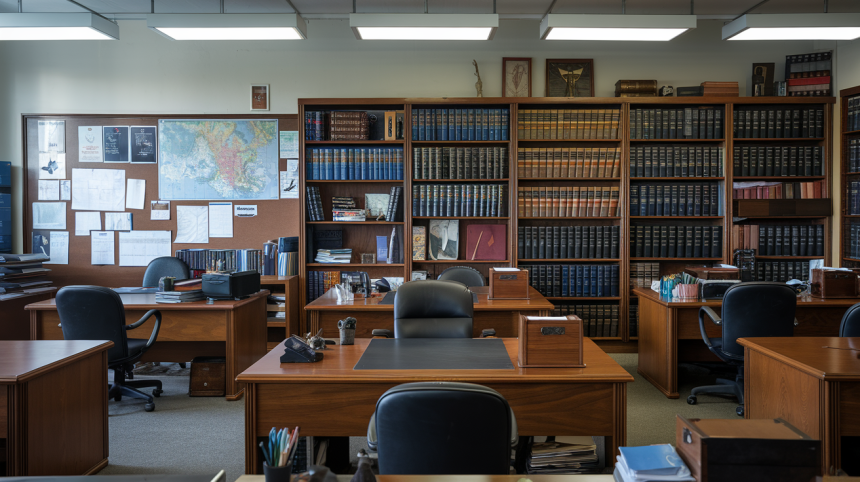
[201, 435]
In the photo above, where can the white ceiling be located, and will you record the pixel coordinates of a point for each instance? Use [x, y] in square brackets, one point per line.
[512, 8]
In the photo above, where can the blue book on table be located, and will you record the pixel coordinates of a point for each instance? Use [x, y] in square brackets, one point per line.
[652, 460]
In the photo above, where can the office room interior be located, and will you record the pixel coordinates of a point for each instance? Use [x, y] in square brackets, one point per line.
[637, 357]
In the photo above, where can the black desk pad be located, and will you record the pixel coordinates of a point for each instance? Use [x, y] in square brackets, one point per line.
[388, 299]
[435, 354]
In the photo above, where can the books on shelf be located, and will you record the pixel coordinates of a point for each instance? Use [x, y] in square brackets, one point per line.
[702, 122]
[675, 199]
[778, 122]
[676, 161]
[319, 282]
[222, 259]
[443, 239]
[394, 211]
[574, 280]
[666, 241]
[568, 242]
[853, 241]
[643, 274]
[568, 162]
[853, 121]
[475, 124]
[809, 75]
[459, 200]
[348, 215]
[574, 123]
[348, 125]
[315, 126]
[343, 255]
[778, 161]
[567, 201]
[354, 163]
[460, 162]
[597, 319]
[419, 243]
[781, 271]
[633, 319]
[779, 190]
[636, 88]
[314, 203]
[778, 240]
[854, 155]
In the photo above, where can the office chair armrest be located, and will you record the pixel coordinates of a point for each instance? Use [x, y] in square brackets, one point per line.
[371, 433]
[488, 333]
[143, 320]
[381, 333]
[707, 310]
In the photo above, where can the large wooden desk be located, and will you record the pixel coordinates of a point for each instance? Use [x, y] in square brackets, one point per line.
[235, 329]
[503, 315]
[329, 398]
[813, 383]
[53, 407]
[669, 332]
[15, 323]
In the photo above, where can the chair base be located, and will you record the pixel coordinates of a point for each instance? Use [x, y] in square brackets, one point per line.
[724, 386]
[129, 388]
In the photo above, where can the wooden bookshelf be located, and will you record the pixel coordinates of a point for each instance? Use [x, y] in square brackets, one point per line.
[848, 219]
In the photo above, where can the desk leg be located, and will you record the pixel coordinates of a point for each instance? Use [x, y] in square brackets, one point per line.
[251, 449]
[619, 424]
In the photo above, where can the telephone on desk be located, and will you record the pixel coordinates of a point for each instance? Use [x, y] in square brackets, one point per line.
[297, 351]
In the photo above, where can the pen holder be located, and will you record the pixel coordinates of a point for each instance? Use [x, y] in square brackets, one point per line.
[688, 291]
[347, 336]
[278, 474]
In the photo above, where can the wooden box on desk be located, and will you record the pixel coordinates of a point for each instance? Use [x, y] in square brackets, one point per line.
[511, 285]
[720, 450]
[712, 273]
[550, 341]
[832, 284]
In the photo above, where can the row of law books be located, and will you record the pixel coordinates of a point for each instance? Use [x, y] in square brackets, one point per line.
[853, 123]
[597, 319]
[633, 319]
[699, 199]
[314, 203]
[202, 260]
[354, 163]
[460, 124]
[568, 162]
[853, 235]
[642, 274]
[568, 242]
[460, 162]
[771, 240]
[781, 271]
[705, 122]
[777, 122]
[676, 161]
[676, 241]
[778, 161]
[561, 124]
[854, 155]
[574, 280]
[780, 190]
[319, 282]
[567, 201]
[459, 200]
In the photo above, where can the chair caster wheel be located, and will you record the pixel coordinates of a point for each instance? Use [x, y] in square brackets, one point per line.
[117, 398]
[156, 392]
[149, 407]
[740, 411]
[181, 365]
[691, 400]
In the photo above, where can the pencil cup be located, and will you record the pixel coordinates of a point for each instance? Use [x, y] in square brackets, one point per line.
[347, 336]
[688, 290]
[278, 474]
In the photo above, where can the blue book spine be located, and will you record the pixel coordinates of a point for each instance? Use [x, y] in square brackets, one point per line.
[388, 160]
[443, 126]
[433, 124]
[565, 282]
[485, 125]
[350, 157]
[578, 291]
[377, 164]
[506, 115]
[613, 288]
[599, 286]
[494, 127]
[593, 280]
[329, 166]
[451, 125]
[5, 200]
[399, 164]
[314, 171]
[470, 124]
[344, 165]
[415, 124]
[5, 221]
[421, 131]
[458, 124]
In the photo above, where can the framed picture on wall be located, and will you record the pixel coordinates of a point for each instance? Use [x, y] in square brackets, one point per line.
[260, 97]
[516, 77]
[569, 77]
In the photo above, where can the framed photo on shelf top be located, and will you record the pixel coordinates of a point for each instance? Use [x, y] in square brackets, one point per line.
[516, 77]
[569, 78]
[260, 97]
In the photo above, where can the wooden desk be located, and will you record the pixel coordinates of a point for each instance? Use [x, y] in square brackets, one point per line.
[503, 315]
[329, 398]
[466, 478]
[53, 407]
[235, 329]
[15, 323]
[813, 383]
[669, 332]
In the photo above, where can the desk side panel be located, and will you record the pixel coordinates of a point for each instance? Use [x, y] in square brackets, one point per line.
[657, 345]
[176, 325]
[849, 408]
[776, 390]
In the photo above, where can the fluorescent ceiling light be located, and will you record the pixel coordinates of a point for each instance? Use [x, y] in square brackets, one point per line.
[220, 26]
[426, 26]
[56, 26]
[615, 27]
[807, 26]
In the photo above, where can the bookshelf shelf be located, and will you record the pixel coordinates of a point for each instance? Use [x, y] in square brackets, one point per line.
[605, 338]
[675, 259]
[778, 178]
[686, 179]
[354, 265]
[566, 140]
[341, 143]
[454, 261]
[461, 217]
[569, 179]
[787, 258]
[583, 298]
[571, 260]
[851, 133]
[778, 139]
[458, 143]
[559, 218]
[851, 173]
[354, 223]
[270, 323]
[361, 181]
[677, 140]
[676, 217]
[436, 181]
[820, 216]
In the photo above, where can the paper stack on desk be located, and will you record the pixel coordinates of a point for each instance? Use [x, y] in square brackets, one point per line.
[650, 463]
[178, 296]
[565, 455]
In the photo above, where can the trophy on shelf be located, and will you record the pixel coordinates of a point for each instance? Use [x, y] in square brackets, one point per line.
[570, 76]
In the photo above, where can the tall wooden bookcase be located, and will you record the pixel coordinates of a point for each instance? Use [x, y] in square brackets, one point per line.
[361, 236]
[849, 175]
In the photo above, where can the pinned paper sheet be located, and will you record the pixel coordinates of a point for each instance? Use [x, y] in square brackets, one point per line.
[49, 190]
[52, 136]
[245, 210]
[159, 210]
[49, 215]
[65, 190]
[192, 224]
[135, 192]
[86, 221]
[98, 189]
[138, 248]
[102, 247]
[59, 242]
[52, 165]
[117, 221]
[220, 220]
[90, 144]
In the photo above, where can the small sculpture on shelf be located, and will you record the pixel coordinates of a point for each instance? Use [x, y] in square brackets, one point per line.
[479, 86]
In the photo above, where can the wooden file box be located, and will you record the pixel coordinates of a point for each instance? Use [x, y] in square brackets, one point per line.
[720, 450]
[208, 377]
[550, 341]
[829, 283]
[713, 273]
[511, 285]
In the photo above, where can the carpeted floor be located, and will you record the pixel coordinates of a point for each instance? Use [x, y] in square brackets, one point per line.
[201, 435]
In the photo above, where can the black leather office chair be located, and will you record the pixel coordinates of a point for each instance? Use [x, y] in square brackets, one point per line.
[850, 325]
[442, 428]
[165, 266]
[749, 309]
[96, 313]
[431, 309]
[464, 274]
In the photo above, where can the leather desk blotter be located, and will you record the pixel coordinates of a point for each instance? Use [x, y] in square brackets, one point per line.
[388, 299]
[435, 354]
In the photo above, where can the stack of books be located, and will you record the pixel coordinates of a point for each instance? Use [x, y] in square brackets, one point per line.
[636, 88]
[651, 462]
[345, 209]
[564, 455]
[276, 306]
[343, 255]
[720, 89]
[178, 296]
[314, 204]
[22, 274]
[808, 75]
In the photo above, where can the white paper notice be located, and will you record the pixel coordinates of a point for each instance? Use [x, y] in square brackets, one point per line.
[98, 189]
[89, 143]
[52, 165]
[59, 248]
[220, 220]
[117, 221]
[138, 248]
[49, 190]
[52, 136]
[102, 247]
[290, 180]
[135, 192]
[49, 215]
[65, 190]
[245, 211]
[86, 221]
[192, 224]
[159, 210]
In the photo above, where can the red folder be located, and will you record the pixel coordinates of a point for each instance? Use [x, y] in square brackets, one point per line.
[486, 242]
